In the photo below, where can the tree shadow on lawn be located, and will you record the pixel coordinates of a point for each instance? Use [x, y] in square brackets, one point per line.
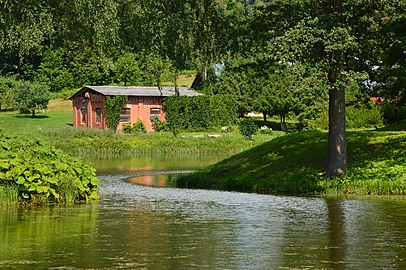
[26, 116]
[399, 126]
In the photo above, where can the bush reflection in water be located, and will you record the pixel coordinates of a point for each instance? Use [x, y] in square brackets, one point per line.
[162, 228]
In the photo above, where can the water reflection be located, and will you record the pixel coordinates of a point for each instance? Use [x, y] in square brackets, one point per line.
[156, 178]
[142, 163]
[142, 227]
[135, 227]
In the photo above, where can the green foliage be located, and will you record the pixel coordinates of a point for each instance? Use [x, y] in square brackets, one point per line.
[41, 173]
[199, 113]
[138, 127]
[54, 71]
[392, 113]
[157, 69]
[127, 69]
[127, 128]
[363, 117]
[247, 128]
[9, 195]
[112, 107]
[31, 97]
[265, 130]
[158, 125]
[7, 91]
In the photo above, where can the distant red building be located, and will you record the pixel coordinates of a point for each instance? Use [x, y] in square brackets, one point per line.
[377, 100]
[144, 103]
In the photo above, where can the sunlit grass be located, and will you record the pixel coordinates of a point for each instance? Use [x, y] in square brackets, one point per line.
[295, 164]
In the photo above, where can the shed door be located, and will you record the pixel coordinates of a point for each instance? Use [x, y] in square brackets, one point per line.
[84, 116]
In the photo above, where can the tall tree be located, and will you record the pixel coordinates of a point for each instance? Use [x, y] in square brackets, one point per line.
[335, 36]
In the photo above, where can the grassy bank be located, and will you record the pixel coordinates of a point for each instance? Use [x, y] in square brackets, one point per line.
[294, 164]
[55, 127]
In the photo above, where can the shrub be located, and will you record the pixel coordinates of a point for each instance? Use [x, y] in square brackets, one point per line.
[247, 128]
[113, 105]
[138, 127]
[127, 128]
[40, 173]
[265, 130]
[363, 117]
[391, 113]
[159, 125]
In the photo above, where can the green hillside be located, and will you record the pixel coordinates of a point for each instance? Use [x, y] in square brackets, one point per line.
[294, 164]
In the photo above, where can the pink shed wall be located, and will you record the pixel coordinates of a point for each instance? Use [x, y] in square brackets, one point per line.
[88, 104]
[140, 108]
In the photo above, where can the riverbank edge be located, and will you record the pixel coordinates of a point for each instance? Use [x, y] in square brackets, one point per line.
[294, 165]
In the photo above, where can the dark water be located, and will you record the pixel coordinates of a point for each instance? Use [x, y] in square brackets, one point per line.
[141, 227]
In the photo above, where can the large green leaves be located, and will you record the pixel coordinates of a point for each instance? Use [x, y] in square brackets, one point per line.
[43, 173]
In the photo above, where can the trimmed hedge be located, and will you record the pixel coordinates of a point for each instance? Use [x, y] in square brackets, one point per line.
[200, 113]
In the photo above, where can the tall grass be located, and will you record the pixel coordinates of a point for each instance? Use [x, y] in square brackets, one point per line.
[9, 195]
[106, 143]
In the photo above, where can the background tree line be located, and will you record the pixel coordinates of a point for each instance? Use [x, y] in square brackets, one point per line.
[278, 57]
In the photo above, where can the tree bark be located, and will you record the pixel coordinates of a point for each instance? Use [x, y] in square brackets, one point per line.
[337, 145]
[33, 114]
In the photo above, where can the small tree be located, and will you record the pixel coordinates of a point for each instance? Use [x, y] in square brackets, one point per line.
[247, 128]
[31, 97]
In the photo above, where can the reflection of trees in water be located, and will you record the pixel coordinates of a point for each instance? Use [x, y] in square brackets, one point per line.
[32, 235]
[336, 230]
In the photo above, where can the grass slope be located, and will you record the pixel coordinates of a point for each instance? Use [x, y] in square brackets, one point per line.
[294, 164]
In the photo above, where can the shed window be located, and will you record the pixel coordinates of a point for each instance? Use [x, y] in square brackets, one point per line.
[98, 115]
[125, 115]
[155, 113]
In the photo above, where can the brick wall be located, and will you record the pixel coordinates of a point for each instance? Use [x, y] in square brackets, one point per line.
[89, 105]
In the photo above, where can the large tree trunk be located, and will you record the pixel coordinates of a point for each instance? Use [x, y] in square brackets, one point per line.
[337, 145]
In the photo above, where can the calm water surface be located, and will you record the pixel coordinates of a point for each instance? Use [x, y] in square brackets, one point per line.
[141, 227]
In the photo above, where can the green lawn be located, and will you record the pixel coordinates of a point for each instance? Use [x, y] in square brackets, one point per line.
[24, 124]
[294, 164]
[55, 127]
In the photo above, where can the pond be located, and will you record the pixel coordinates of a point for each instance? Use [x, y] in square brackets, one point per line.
[142, 227]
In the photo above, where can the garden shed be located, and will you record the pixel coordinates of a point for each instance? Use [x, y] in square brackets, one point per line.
[144, 103]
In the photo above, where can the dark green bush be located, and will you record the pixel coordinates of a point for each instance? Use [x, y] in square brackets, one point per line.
[247, 128]
[127, 128]
[40, 173]
[200, 113]
[113, 105]
[158, 125]
[392, 113]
